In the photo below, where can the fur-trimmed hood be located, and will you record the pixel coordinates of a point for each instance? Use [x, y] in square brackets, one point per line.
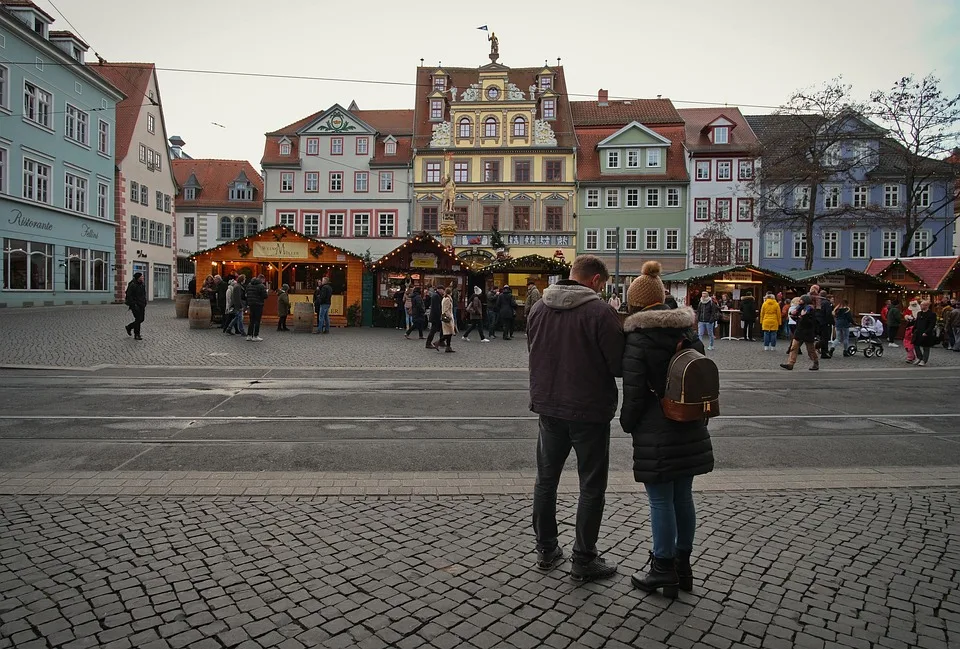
[661, 318]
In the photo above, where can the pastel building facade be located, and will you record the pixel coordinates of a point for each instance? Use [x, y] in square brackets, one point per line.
[632, 183]
[721, 158]
[342, 174]
[57, 127]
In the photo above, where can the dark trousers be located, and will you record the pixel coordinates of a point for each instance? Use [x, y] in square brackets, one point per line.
[492, 323]
[401, 317]
[434, 330]
[591, 442]
[892, 333]
[826, 335]
[507, 327]
[445, 341]
[256, 313]
[748, 329]
[138, 314]
[475, 323]
[416, 324]
[282, 323]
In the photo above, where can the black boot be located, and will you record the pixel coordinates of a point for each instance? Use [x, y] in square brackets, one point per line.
[684, 571]
[663, 574]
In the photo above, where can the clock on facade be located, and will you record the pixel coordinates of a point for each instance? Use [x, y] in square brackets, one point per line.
[493, 92]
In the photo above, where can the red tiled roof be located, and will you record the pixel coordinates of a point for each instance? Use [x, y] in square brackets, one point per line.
[214, 177]
[742, 137]
[403, 157]
[397, 122]
[588, 158]
[933, 271]
[132, 80]
[26, 3]
[461, 78]
[621, 112]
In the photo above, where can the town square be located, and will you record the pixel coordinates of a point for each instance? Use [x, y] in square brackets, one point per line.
[446, 329]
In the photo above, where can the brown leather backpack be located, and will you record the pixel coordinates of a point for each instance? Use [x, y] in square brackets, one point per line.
[693, 386]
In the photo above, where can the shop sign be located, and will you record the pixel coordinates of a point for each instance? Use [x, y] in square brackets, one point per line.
[341, 257]
[87, 232]
[538, 240]
[280, 249]
[739, 276]
[25, 222]
[833, 280]
[423, 260]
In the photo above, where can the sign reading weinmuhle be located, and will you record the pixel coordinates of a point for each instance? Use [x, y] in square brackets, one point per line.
[280, 249]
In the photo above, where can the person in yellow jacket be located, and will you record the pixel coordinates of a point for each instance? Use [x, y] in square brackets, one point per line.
[770, 322]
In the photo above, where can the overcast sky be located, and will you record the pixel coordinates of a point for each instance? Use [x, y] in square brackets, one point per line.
[739, 52]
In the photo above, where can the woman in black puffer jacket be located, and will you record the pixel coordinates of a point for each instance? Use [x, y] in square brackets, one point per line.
[666, 454]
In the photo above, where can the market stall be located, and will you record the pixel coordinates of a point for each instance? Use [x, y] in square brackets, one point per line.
[285, 256]
[921, 277]
[519, 272]
[863, 293]
[735, 281]
[422, 259]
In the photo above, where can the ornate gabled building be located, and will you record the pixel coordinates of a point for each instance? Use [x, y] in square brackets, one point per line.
[505, 138]
[631, 179]
[342, 173]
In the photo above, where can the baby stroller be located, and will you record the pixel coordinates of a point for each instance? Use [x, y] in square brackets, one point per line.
[867, 338]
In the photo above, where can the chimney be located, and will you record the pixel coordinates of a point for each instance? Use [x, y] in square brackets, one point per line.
[602, 97]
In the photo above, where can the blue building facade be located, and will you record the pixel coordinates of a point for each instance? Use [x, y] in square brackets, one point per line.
[862, 206]
[57, 128]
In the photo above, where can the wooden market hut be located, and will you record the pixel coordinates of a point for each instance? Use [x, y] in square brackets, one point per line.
[286, 256]
[419, 260]
[864, 293]
[686, 285]
[518, 272]
[922, 277]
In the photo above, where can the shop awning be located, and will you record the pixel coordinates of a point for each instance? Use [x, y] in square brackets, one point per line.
[421, 251]
[837, 277]
[712, 272]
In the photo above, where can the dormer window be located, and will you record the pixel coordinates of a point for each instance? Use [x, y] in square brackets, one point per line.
[240, 191]
[721, 135]
[546, 82]
[436, 109]
[284, 148]
[440, 83]
[390, 148]
[549, 108]
[190, 194]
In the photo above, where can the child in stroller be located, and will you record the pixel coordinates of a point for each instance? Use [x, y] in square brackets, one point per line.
[867, 336]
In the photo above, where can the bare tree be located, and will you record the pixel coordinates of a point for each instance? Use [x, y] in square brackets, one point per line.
[715, 239]
[808, 147]
[924, 125]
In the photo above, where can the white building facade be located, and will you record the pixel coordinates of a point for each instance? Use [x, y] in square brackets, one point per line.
[344, 175]
[721, 159]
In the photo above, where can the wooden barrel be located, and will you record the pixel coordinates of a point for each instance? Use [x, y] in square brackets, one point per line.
[303, 317]
[199, 314]
[182, 304]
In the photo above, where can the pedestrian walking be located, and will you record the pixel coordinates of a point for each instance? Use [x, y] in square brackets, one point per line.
[575, 345]
[748, 315]
[825, 321]
[222, 287]
[667, 454]
[805, 334]
[283, 307]
[408, 306]
[953, 322]
[399, 299]
[448, 322]
[238, 304]
[435, 310]
[925, 333]
[533, 296]
[228, 317]
[708, 313]
[256, 298]
[843, 316]
[492, 314]
[417, 312]
[892, 323]
[475, 315]
[507, 308]
[321, 302]
[136, 300]
[770, 322]
[614, 301]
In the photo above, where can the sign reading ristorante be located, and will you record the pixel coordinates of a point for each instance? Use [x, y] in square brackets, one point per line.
[280, 249]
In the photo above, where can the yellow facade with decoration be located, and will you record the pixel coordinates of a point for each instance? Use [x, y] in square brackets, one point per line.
[505, 138]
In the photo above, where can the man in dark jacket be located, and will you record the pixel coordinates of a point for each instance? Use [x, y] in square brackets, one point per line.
[417, 311]
[805, 334]
[826, 320]
[322, 298]
[136, 299]
[192, 286]
[492, 316]
[925, 333]
[222, 286]
[893, 322]
[576, 350]
[507, 311]
[708, 313]
[748, 315]
[436, 324]
[256, 297]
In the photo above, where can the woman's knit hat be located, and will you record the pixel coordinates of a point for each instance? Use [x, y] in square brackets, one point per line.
[648, 288]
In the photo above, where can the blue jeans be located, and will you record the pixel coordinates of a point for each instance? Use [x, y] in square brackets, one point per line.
[323, 318]
[769, 338]
[673, 517]
[705, 328]
[591, 442]
[238, 323]
[843, 335]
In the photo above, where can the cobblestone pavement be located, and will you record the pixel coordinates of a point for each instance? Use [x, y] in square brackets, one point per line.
[848, 568]
[86, 336]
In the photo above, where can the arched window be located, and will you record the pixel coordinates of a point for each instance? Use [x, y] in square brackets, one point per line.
[252, 224]
[519, 127]
[466, 128]
[225, 227]
[238, 227]
[490, 127]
